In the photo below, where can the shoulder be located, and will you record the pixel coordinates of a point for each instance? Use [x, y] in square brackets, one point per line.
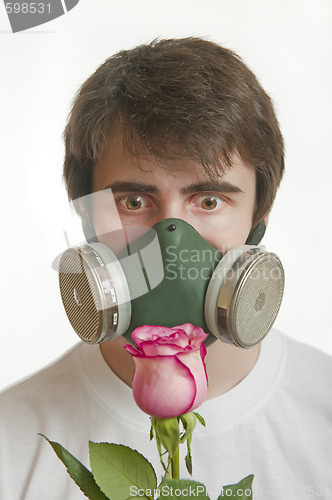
[44, 385]
[307, 372]
[306, 358]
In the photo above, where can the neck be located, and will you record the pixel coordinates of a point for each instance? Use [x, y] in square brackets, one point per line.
[226, 364]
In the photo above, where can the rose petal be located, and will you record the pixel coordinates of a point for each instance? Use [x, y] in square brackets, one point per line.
[163, 386]
[175, 336]
[151, 348]
[195, 363]
[195, 334]
[132, 350]
[149, 332]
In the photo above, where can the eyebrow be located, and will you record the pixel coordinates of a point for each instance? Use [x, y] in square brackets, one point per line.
[219, 187]
[136, 187]
[129, 187]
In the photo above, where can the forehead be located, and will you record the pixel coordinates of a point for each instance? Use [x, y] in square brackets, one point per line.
[117, 164]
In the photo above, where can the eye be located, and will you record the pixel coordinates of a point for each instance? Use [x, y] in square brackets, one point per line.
[208, 202]
[133, 202]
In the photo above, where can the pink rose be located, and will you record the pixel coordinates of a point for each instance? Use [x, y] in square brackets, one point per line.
[170, 376]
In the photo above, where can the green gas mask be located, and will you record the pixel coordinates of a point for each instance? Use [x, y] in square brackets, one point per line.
[169, 276]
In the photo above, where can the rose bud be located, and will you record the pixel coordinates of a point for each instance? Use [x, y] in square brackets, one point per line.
[170, 375]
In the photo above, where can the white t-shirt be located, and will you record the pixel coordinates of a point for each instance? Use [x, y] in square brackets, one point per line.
[275, 424]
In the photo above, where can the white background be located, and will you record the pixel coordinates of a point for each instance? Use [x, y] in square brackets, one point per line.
[287, 43]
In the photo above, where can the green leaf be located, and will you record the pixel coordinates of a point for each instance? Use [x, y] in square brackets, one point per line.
[189, 423]
[161, 453]
[151, 430]
[121, 472]
[182, 489]
[168, 432]
[188, 458]
[78, 472]
[241, 490]
[199, 418]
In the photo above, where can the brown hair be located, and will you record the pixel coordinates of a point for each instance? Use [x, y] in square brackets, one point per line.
[179, 97]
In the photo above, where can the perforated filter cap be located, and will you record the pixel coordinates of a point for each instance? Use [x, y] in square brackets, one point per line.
[90, 292]
[256, 301]
[78, 295]
[245, 295]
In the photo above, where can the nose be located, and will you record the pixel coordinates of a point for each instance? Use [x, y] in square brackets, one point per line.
[171, 210]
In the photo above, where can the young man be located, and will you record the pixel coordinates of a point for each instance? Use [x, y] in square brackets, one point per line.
[177, 129]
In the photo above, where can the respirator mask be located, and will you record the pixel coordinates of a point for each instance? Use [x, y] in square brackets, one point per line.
[169, 275]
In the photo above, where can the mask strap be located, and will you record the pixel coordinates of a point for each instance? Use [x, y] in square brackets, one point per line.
[256, 235]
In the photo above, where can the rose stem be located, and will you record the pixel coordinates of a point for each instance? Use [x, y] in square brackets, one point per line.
[176, 465]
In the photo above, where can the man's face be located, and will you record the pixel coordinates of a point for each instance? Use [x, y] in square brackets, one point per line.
[221, 211]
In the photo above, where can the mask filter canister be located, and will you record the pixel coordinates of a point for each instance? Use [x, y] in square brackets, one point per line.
[94, 292]
[244, 295]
